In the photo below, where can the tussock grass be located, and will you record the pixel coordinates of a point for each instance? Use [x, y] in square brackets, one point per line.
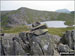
[54, 31]
[16, 29]
[59, 31]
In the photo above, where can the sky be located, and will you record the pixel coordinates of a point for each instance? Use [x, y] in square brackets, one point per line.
[38, 5]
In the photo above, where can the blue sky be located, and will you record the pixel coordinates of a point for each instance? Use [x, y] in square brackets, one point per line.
[38, 5]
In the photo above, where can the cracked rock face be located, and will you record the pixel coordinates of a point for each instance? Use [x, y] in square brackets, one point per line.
[45, 44]
[63, 48]
[69, 39]
[28, 44]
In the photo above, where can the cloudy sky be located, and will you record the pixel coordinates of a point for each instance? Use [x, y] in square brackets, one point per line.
[38, 5]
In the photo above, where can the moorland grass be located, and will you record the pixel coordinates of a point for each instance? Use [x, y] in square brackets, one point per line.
[15, 30]
[59, 31]
[54, 31]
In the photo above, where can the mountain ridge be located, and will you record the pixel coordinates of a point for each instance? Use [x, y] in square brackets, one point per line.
[23, 16]
[63, 11]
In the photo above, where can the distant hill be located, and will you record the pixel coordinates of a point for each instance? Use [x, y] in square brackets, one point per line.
[72, 12]
[63, 11]
[23, 16]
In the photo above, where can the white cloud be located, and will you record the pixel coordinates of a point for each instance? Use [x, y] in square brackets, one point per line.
[38, 5]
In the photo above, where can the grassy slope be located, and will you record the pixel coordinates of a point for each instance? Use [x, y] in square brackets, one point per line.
[59, 31]
[31, 16]
[15, 30]
[54, 31]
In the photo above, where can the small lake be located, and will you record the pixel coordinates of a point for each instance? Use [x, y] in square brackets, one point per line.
[55, 24]
[73, 25]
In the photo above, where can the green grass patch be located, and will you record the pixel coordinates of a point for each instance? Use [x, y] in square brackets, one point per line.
[59, 31]
[15, 30]
[54, 31]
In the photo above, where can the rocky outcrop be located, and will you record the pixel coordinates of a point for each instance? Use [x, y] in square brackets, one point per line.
[69, 39]
[63, 48]
[37, 41]
[28, 43]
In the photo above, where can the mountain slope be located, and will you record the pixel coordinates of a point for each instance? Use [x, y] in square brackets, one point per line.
[24, 16]
[63, 11]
